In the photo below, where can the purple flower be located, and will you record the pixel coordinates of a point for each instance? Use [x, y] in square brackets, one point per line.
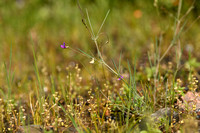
[63, 46]
[120, 77]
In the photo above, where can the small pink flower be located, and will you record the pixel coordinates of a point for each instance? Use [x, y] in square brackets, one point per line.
[63, 46]
[120, 78]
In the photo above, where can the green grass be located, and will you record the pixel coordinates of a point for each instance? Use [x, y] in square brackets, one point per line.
[124, 62]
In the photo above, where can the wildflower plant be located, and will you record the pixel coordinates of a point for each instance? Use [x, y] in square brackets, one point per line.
[131, 91]
[95, 39]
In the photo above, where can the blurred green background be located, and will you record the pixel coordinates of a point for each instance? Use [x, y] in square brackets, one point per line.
[132, 27]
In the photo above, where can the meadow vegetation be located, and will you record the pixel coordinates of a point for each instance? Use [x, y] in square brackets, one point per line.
[99, 66]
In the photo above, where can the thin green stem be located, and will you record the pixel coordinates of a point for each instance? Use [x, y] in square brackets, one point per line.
[99, 53]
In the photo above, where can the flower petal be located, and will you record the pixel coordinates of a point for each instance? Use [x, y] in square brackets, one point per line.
[92, 61]
[120, 78]
[62, 46]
